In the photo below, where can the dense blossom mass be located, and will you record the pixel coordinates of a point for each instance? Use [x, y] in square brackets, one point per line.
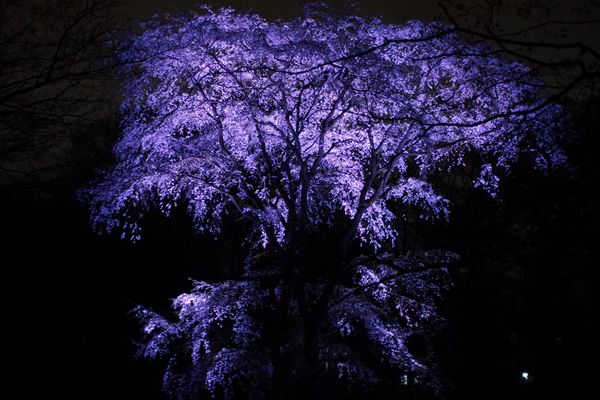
[278, 120]
[297, 126]
[224, 328]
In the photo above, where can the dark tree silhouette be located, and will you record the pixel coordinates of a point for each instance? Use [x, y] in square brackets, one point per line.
[56, 63]
[557, 39]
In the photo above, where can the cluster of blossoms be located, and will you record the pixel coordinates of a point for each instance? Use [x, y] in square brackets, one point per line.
[289, 121]
[223, 327]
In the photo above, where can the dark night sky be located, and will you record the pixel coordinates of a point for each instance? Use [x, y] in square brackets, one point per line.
[392, 10]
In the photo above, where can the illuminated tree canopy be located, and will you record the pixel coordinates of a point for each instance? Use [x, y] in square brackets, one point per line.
[323, 123]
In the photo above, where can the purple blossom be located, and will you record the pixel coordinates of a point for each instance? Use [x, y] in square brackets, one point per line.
[228, 109]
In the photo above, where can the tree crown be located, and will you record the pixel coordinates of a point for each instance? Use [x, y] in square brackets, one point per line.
[291, 122]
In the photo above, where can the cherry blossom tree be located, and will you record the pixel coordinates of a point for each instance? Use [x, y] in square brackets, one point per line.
[321, 127]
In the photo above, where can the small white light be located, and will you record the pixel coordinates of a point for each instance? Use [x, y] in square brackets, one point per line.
[404, 380]
[525, 376]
